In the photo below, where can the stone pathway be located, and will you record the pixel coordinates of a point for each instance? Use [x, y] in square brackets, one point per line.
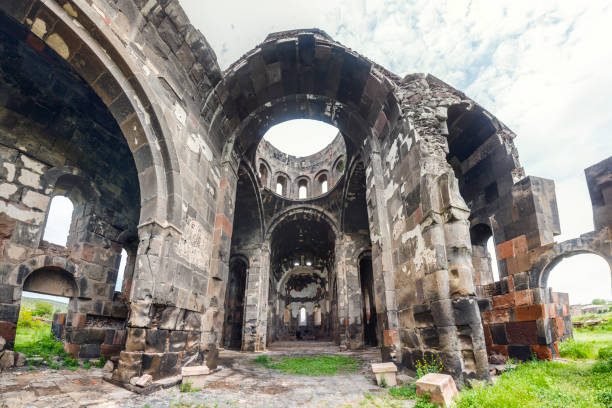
[239, 384]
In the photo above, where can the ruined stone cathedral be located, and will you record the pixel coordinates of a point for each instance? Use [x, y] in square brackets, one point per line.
[377, 240]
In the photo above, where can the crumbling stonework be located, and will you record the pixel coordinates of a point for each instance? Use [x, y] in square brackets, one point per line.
[121, 106]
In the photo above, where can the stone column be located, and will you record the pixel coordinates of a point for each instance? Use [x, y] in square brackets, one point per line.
[382, 259]
[256, 308]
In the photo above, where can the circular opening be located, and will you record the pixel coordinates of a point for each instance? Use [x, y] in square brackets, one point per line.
[300, 159]
[301, 137]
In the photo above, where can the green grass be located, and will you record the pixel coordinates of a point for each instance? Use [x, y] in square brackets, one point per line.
[309, 365]
[39, 342]
[544, 384]
[588, 340]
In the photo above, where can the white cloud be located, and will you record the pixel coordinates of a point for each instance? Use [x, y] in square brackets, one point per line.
[542, 67]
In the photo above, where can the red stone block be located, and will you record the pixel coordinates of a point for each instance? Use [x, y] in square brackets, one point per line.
[519, 245]
[565, 311]
[503, 301]
[523, 297]
[526, 313]
[72, 349]
[496, 316]
[524, 333]
[61, 318]
[542, 352]
[110, 350]
[504, 250]
[390, 337]
[8, 330]
[222, 222]
[559, 327]
[78, 319]
[487, 335]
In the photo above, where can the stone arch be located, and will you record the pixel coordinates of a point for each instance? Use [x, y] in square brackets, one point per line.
[586, 244]
[318, 183]
[303, 210]
[306, 182]
[269, 176]
[301, 73]
[256, 184]
[284, 179]
[94, 53]
[58, 265]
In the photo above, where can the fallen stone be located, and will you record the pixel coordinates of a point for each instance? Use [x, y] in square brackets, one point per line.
[20, 359]
[496, 358]
[2, 343]
[386, 372]
[144, 381]
[440, 387]
[212, 357]
[7, 359]
[109, 366]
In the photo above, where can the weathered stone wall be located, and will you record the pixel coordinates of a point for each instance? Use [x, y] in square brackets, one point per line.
[310, 170]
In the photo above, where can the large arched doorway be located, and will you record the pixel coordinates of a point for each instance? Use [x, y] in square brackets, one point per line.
[234, 304]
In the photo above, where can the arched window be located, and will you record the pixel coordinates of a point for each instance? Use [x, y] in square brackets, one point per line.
[483, 254]
[340, 167]
[281, 185]
[263, 174]
[323, 183]
[302, 189]
[121, 274]
[59, 219]
[302, 316]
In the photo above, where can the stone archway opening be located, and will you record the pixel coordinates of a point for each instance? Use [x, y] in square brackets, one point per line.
[584, 277]
[234, 304]
[302, 276]
[366, 278]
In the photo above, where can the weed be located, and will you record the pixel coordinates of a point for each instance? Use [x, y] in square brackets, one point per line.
[424, 367]
[187, 386]
[383, 381]
[87, 365]
[100, 363]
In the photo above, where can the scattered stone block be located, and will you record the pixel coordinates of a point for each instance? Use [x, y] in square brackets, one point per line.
[440, 387]
[7, 359]
[20, 359]
[2, 343]
[212, 357]
[109, 366]
[386, 371]
[143, 381]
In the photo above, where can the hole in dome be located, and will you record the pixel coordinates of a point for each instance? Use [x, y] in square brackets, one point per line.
[301, 137]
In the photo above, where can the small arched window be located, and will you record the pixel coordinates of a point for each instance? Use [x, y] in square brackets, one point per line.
[263, 174]
[302, 316]
[281, 184]
[121, 274]
[59, 219]
[302, 189]
[323, 183]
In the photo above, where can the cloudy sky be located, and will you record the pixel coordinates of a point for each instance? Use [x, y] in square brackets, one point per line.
[543, 67]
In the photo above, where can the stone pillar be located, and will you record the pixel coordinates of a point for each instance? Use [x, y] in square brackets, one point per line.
[382, 259]
[256, 309]
[349, 289]
[212, 323]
